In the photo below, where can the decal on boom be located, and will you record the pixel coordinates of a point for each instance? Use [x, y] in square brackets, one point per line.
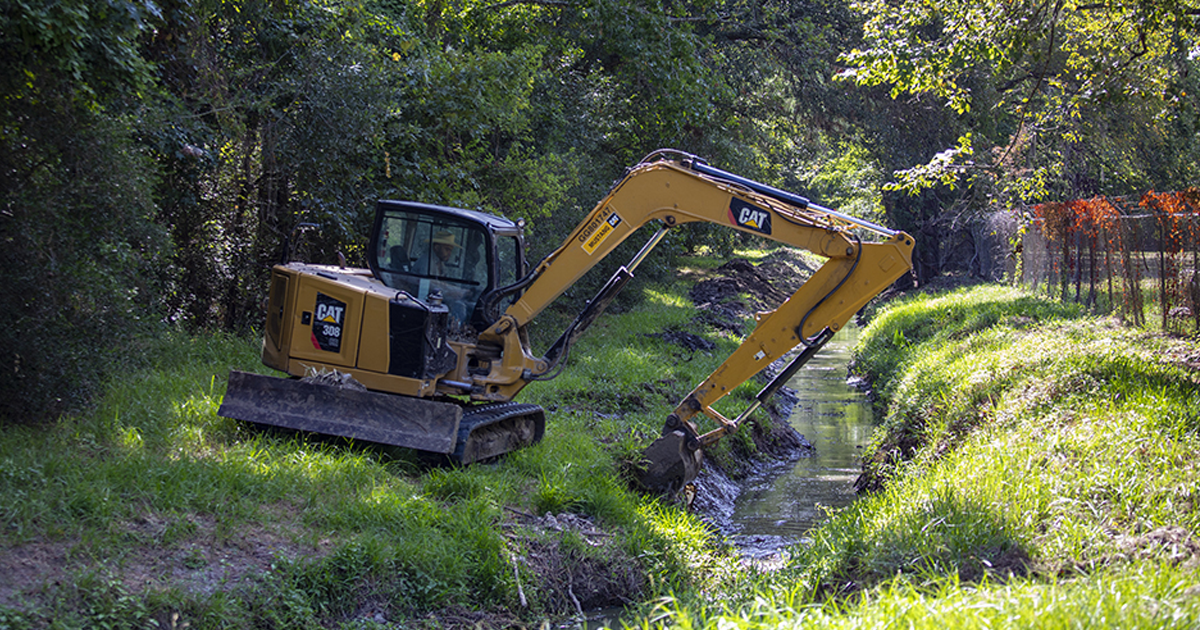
[599, 229]
[749, 216]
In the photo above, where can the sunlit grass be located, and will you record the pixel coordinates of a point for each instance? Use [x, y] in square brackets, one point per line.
[1146, 596]
[667, 299]
[1038, 471]
[154, 455]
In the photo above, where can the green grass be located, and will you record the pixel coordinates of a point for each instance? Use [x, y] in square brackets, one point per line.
[270, 529]
[1035, 465]
[1036, 468]
[1141, 596]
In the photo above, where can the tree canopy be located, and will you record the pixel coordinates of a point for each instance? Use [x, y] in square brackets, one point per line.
[1053, 97]
[159, 155]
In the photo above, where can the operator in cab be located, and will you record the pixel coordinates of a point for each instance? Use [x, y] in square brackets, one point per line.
[452, 271]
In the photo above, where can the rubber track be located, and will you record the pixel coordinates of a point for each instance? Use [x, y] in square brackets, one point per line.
[486, 415]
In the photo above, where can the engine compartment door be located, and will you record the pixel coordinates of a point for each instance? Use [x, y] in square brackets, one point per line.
[329, 319]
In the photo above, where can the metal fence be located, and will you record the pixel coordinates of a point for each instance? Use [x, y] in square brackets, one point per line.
[1136, 257]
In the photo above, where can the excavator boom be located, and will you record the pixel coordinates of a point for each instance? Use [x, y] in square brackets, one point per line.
[673, 192]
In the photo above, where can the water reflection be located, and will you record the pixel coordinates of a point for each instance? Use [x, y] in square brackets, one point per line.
[777, 507]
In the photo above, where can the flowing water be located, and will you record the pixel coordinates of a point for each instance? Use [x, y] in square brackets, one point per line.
[777, 507]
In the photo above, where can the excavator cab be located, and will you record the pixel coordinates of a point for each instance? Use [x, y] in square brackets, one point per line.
[447, 255]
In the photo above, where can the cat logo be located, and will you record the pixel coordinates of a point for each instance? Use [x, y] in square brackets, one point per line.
[329, 313]
[749, 216]
[327, 329]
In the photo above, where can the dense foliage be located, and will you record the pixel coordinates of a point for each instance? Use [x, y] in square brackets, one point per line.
[77, 203]
[1015, 103]
[1052, 98]
[158, 156]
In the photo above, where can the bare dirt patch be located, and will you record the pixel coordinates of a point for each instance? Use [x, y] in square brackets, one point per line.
[1169, 544]
[575, 568]
[185, 552]
[1172, 544]
[202, 561]
[28, 567]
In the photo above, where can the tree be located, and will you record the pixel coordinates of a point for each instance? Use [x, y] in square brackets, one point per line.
[80, 245]
[1054, 97]
[275, 115]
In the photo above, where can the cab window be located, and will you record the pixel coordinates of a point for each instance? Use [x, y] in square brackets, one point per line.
[422, 254]
[508, 266]
[508, 261]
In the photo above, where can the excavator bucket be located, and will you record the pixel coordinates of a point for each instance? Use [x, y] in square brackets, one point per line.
[363, 415]
[669, 464]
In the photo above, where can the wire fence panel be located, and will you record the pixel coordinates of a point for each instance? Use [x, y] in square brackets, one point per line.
[1136, 257]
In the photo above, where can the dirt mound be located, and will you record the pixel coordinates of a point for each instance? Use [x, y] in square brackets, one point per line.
[728, 301]
[685, 340]
[740, 283]
[1172, 544]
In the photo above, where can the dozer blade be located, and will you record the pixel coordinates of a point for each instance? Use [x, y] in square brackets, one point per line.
[370, 416]
[669, 464]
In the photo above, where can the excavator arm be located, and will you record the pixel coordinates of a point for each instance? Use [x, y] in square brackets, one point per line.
[684, 189]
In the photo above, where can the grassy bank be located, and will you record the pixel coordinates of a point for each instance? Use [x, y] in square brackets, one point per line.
[1037, 468]
[152, 511]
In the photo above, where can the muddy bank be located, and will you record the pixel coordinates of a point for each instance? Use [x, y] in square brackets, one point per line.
[727, 304]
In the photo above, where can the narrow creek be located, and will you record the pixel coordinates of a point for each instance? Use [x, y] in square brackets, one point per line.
[778, 506]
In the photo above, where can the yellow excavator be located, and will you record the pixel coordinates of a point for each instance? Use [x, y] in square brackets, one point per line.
[428, 347]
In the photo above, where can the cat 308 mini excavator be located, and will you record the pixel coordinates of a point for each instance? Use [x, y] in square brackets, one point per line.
[435, 330]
